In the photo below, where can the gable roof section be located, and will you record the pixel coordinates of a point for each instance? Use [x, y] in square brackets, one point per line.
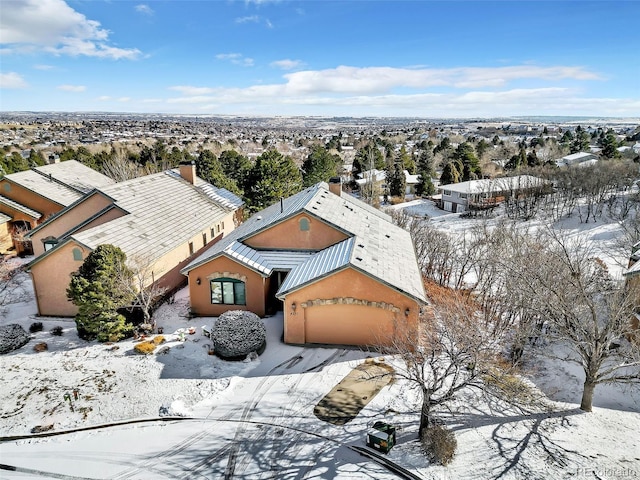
[376, 246]
[62, 183]
[19, 207]
[4, 218]
[164, 211]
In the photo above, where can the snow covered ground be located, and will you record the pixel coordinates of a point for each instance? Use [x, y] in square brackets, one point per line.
[255, 419]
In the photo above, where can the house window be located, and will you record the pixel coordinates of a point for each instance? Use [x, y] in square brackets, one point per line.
[49, 243]
[77, 254]
[190, 248]
[304, 224]
[446, 192]
[7, 187]
[204, 238]
[228, 291]
[463, 195]
[213, 233]
[218, 228]
[223, 225]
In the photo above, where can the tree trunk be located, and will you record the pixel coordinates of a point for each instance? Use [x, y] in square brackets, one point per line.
[587, 395]
[424, 415]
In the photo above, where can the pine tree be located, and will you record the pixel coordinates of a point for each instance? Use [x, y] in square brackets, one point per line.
[273, 176]
[97, 289]
[319, 166]
[450, 174]
[425, 171]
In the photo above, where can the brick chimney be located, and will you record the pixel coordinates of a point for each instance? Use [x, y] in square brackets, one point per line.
[188, 172]
[335, 185]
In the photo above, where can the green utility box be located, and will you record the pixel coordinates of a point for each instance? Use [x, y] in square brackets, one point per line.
[382, 436]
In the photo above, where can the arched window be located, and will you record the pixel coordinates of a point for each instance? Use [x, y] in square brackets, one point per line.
[7, 187]
[77, 254]
[304, 224]
[228, 291]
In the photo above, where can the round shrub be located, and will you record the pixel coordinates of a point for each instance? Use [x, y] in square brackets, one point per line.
[439, 444]
[56, 331]
[35, 327]
[41, 347]
[237, 333]
[158, 339]
[144, 348]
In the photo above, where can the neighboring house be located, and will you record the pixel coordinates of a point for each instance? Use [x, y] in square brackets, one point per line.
[165, 218]
[485, 193]
[636, 147]
[376, 176]
[379, 177]
[32, 196]
[581, 158]
[340, 270]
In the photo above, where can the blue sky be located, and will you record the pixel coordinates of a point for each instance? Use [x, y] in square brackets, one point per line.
[327, 58]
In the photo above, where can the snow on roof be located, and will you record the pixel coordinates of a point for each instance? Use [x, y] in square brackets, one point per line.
[63, 182]
[382, 249]
[494, 185]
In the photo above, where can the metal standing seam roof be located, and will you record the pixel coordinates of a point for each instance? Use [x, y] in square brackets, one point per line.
[325, 261]
[378, 247]
[163, 213]
[4, 218]
[19, 207]
[221, 196]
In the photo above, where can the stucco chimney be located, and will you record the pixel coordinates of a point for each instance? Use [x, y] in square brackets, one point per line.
[335, 185]
[188, 172]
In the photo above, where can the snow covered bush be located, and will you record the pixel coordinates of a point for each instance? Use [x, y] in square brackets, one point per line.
[439, 444]
[238, 333]
[12, 337]
[158, 339]
[56, 331]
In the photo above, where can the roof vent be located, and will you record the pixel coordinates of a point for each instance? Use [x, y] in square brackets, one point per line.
[359, 259]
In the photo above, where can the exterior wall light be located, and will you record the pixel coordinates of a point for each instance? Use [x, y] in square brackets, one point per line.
[406, 312]
[198, 281]
[293, 307]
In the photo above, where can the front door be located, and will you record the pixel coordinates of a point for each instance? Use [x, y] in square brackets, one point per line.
[275, 280]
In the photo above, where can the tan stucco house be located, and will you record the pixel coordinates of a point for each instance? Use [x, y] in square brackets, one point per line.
[30, 197]
[340, 270]
[167, 218]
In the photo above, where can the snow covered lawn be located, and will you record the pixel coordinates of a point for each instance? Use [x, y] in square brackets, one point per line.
[255, 419]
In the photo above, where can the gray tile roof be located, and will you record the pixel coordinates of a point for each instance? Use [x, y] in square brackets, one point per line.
[19, 207]
[63, 182]
[377, 247]
[164, 211]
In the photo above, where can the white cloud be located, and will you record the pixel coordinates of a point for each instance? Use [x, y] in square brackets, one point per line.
[12, 80]
[44, 67]
[144, 9]
[286, 64]
[191, 91]
[236, 59]
[249, 19]
[124, 99]
[268, 23]
[54, 26]
[72, 88]
[104, 98]
[345, 79]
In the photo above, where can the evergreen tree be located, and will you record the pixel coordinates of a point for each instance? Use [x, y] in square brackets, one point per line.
[319, 166]
[450, 174]
[235, 166]
[407, 161]
[425, 171]
[99, 289]
[273, 176]
[610, 146]
[395, 179]
[581, 141]
[465, 155]
[208, 168]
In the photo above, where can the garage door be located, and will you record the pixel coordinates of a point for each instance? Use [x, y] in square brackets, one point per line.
[347, 324]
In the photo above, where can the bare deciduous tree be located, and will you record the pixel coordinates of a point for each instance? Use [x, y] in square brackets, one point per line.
[585, 308]
[143, 285]
[453, 348]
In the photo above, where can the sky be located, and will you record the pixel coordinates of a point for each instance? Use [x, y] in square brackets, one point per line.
[452, 59]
